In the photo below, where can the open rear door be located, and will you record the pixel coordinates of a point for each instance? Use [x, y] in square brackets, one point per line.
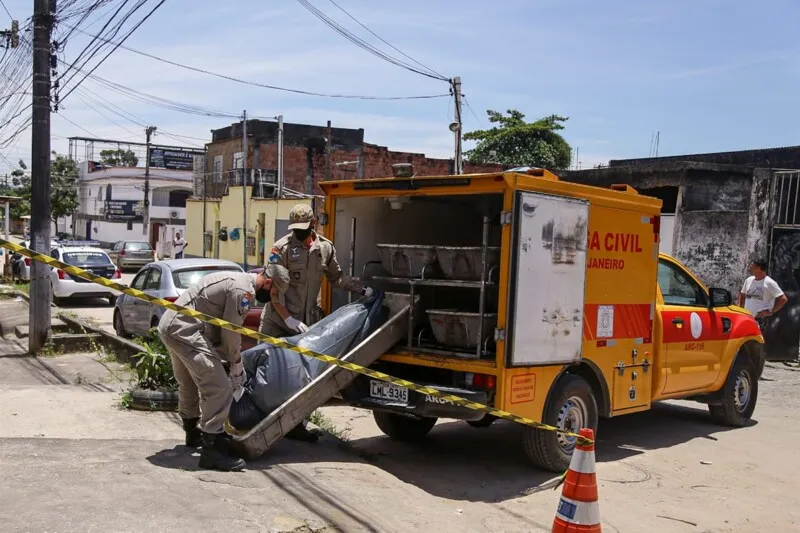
[548, 278]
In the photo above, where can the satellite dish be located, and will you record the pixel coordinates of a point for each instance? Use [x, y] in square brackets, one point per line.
[454, 127]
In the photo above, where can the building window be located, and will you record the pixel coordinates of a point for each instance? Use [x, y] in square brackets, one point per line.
[217, 172]
[130, 225]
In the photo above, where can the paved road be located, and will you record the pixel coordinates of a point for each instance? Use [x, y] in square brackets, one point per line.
[96, 311]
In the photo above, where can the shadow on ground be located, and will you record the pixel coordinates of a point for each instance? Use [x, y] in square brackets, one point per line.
[460, 462]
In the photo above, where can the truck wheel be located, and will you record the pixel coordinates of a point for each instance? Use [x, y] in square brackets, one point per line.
[739, 396]
[572, 406]
[406, 428]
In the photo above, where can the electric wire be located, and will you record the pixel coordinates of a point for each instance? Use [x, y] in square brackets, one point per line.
[6, 9]
[363, 44]
[274, 87]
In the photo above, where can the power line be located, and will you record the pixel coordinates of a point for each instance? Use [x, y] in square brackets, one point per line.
[267, 86]
[341, 30]
[386, 42]
[135, 27]
[472, 111]
[6, 10]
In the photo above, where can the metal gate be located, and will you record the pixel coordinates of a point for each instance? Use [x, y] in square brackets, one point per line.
[782, 333]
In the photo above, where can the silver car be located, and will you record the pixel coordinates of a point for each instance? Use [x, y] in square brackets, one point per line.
[162, 279]
[127, 254]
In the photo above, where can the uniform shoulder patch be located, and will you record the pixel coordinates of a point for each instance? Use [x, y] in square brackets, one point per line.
[246, 301]
[274, 255]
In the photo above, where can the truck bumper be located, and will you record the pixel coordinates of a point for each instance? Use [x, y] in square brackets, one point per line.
[422, 405]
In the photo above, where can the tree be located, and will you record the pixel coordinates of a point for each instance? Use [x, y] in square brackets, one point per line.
[63, 186]
[20, 185]
[119, 158]
[514, 142]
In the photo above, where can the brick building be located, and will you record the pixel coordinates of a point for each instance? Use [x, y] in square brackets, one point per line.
[311, 154]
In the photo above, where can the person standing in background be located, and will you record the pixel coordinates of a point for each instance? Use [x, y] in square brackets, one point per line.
[761, 294]
[178, 245]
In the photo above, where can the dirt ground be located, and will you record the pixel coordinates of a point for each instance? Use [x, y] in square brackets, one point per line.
[71, 460]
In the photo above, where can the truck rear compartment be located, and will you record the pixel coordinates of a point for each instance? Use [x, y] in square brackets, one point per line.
[444, 251]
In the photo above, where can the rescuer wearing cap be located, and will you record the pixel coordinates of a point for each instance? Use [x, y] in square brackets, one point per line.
[200, 352]
[308, 256]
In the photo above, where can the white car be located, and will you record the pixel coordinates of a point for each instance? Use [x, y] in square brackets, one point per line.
[92, 259]
[21, 265]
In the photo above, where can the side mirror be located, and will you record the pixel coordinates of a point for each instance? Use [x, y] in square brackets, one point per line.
[719, 297]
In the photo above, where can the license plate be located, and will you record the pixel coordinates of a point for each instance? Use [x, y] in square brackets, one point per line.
[388, 391]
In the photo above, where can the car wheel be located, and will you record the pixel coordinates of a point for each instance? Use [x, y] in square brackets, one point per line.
[53, 298]
[401, 427]
[119, 327]
[739, 396]
[572, 407]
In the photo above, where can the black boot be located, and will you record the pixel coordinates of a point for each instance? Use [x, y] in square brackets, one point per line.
[194, 437]
[214, 455]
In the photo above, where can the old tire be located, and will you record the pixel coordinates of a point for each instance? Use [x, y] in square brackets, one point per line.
[739, 396]
[404, 428]
[119, 327]
[154, 322]
[572, 406]
[154, 400]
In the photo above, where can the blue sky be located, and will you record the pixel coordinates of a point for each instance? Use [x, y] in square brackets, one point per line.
[710, 75]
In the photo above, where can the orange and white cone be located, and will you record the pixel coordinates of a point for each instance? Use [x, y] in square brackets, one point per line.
[578, 509]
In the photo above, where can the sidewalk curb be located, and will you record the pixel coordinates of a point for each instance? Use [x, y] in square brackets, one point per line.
[126, 350]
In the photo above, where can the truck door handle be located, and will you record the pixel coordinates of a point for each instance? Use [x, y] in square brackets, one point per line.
[677, 321]
[726, 325]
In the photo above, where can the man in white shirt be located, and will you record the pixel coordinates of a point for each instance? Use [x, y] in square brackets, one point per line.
[178, 245]
[760, 293]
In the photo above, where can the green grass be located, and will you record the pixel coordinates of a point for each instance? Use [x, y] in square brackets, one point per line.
[328, 426]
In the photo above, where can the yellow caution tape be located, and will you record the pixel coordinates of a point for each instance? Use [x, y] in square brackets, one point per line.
[75, 271]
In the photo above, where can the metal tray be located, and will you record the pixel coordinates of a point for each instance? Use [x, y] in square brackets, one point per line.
[458, 329]
[465, 262]
[406, 260]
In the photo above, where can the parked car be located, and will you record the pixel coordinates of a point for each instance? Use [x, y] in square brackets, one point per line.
[21, 265]
[94, 260]
[127, 254]
[168, 280]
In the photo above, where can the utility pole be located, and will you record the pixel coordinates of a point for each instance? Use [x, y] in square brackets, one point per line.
[244, 189]
[146, 219]
[11, 36]
[39, 318]
[328, 152]
[455, 127]
[280, 156]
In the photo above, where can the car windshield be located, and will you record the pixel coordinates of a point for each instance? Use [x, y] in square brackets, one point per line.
[138, 246]
[86, 258]
[186, 278]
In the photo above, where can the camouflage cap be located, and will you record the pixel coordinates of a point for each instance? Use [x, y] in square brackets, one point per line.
[300, 216]
[279, 276]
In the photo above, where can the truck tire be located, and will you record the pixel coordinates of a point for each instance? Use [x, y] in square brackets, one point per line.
[404, 428]
[572, 406]
[739, 396]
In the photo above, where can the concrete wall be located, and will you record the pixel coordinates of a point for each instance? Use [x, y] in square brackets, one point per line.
[720, 220]
[228, 212]
[787, 157]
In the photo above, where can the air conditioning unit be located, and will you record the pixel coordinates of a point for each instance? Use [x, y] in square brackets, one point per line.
[173, 214]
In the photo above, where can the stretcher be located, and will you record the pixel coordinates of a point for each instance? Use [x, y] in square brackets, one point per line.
[256, 441]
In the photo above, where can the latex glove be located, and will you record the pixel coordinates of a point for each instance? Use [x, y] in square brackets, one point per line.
[368, 292]
[295, 325]
[237, 378]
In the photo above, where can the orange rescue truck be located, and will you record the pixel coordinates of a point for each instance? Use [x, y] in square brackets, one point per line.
[540, 297]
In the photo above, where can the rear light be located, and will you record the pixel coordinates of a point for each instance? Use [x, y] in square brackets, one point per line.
[117, 274]
[122, 253]
[61, 274]
[171, 298]
[483, 381]
[27, 261]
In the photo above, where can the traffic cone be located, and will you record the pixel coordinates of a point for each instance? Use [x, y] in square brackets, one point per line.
[578, 509]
